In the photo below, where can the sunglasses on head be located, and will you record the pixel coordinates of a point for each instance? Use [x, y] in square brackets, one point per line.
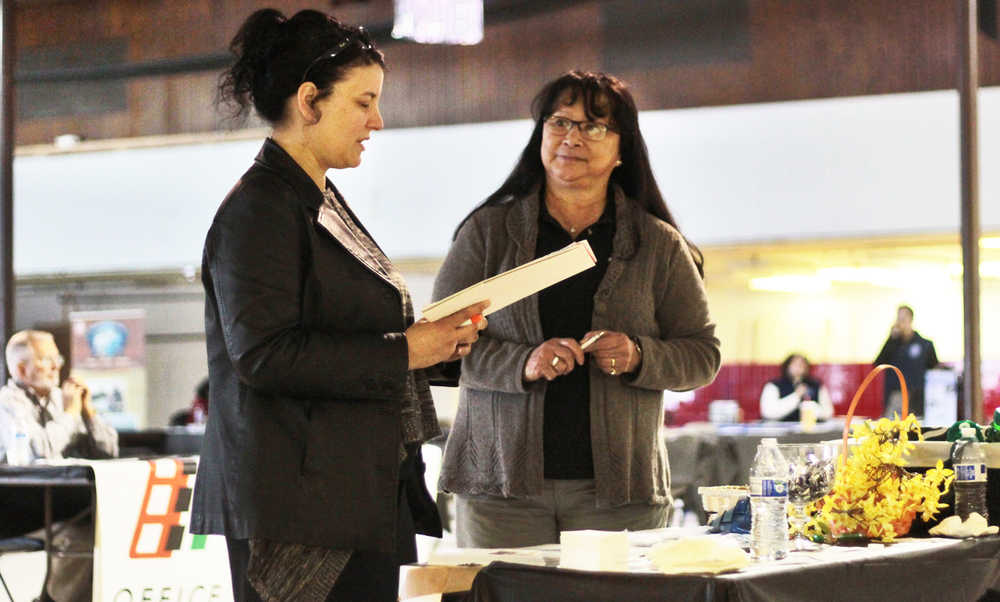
[360, 37]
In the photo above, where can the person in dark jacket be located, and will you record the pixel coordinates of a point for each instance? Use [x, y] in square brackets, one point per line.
[319, 400]
[913, 355]
[197, 412]
[786, 397]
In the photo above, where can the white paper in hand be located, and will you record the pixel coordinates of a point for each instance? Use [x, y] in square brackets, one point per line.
[517, 283]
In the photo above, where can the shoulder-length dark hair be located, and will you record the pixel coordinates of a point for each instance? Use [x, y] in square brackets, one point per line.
[788, 361]
[605, 96]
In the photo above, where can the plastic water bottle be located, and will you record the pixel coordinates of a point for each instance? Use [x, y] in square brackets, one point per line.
[19, 452]
[768, 501]
[970, 475]
[677, 515]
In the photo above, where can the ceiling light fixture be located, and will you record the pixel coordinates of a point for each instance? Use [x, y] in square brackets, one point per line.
[439, 21]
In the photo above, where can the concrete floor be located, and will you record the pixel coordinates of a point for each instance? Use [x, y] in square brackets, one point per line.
[24, 574]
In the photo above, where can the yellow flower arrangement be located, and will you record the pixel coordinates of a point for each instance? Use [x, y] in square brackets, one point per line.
[873, 495]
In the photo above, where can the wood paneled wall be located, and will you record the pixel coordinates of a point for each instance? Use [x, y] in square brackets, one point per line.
[766, 50]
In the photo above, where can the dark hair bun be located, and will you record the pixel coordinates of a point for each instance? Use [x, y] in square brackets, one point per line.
[272, 52]
[252, 46]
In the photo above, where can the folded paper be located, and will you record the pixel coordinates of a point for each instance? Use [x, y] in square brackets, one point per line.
[517, 283]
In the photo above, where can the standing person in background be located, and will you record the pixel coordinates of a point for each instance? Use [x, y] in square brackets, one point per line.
[549, 437]
[319, 401]
[197, 412]
[913, 355]
[785, 397]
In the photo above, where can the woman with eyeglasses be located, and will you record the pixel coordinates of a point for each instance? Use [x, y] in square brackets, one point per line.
[557, 430]
[311, 462]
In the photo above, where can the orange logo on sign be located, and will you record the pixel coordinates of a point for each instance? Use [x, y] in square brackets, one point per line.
[160, 530]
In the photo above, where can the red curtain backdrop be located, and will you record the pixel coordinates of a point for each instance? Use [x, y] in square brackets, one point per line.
[743, 383]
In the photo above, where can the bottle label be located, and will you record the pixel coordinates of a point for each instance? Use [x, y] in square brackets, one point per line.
[970, 473]
[768, 487]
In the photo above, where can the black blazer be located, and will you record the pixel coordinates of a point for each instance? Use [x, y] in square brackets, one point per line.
[307, 368]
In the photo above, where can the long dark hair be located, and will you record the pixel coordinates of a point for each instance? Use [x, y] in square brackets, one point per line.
[605, 96]
[273, 55]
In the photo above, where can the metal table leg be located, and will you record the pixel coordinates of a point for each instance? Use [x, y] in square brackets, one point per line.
[48, 541]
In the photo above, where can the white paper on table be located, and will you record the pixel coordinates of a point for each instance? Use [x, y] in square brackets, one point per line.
[836, 554]
[593, 550]
[705, 554]
[649, 537]
[517, 283]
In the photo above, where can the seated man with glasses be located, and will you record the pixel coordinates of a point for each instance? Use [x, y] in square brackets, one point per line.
[41, 420]
[57, 421]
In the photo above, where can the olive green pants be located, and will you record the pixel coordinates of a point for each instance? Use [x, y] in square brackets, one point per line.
[564, 505]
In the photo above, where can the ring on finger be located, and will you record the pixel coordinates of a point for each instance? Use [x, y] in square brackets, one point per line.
[613, 371]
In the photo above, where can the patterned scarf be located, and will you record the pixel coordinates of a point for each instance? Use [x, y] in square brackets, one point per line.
[283, 572]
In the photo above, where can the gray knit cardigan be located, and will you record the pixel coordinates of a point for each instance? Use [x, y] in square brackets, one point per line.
[651, 290]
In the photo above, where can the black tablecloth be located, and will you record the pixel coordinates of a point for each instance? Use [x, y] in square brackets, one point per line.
[41, 474]
[169, 441]
[501, 581]
[961, 572]
[22, 506]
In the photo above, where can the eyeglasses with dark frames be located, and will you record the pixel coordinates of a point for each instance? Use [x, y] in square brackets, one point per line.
[360, 37]
[591, 130]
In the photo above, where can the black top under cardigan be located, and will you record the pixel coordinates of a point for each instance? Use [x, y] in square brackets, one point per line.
[565, 309]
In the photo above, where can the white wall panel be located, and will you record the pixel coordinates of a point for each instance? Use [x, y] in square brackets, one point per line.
[805, 169]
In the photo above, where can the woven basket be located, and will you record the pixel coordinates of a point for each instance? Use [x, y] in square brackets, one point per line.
[857, 397]
[903, 523]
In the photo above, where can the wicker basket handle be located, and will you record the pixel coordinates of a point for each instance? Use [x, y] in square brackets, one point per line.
[857, 397]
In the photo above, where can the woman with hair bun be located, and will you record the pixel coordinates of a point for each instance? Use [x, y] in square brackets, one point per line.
[311, 463]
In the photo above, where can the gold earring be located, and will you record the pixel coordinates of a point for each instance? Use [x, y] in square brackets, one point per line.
[618, 163]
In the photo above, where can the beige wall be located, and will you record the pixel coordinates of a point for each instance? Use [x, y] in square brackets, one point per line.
[175, 331]
[176, 359]
[846, 324]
